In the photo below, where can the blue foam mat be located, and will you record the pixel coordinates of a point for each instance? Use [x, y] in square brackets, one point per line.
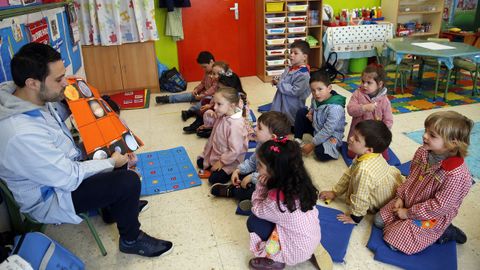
[265, 108]
[393, 159]
[434, 257]
[335, 234]
[166, 170]
[405, 168]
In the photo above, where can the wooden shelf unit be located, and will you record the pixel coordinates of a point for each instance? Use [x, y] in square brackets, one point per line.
[422, 11]
[315, 58]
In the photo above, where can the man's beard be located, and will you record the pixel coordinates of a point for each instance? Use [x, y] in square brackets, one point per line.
[53, 97]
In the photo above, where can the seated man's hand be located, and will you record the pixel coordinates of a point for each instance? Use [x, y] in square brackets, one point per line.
[119, 159]
[345, 218]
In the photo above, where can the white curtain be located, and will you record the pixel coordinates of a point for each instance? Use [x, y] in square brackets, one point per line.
[114, 22]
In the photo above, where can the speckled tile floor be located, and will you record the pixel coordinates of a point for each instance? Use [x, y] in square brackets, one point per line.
[206, 232]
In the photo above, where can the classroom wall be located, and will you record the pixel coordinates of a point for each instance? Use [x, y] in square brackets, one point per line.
[165, 47]
[338, 5]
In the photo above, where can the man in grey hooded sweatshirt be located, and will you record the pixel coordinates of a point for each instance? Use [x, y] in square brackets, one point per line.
[44, 168]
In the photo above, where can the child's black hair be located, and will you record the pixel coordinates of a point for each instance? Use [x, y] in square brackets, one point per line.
[320, 76]
[302, 45]
[376, 134]
[284, 163]
[205, 57]
[277, 122]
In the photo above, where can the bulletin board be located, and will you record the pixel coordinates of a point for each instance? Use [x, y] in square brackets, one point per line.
[53, 26]
[100, 128]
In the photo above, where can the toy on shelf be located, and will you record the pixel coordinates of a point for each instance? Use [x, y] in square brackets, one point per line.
[100, 128]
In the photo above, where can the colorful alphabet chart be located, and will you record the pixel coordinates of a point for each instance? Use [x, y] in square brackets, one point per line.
[166, 170]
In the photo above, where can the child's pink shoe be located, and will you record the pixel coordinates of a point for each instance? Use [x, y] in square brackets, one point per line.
[204, 174]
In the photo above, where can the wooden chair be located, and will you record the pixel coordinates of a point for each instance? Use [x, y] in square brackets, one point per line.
[23, 223]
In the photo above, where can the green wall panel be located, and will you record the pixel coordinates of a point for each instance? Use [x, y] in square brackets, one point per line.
[338, 5]
[165, 47]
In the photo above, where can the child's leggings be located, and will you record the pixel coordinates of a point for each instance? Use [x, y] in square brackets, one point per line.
[263, 228]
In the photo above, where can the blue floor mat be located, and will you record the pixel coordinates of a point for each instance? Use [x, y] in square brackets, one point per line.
[434, 257]
[265, 108]
[166, 170]
[473, 158]
[405, 168]
[393, 159]
[335, 234]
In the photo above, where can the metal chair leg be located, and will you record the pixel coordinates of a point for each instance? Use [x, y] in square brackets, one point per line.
[446, 86]
[94, 233]
[437, 82]
[396, 77]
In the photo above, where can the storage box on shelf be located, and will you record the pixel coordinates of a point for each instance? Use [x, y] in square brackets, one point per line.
[414, 18]
[278, 24]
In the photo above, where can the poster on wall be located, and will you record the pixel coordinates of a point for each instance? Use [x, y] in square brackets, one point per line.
[460, 13]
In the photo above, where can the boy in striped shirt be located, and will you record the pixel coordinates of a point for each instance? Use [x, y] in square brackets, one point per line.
[370, 182]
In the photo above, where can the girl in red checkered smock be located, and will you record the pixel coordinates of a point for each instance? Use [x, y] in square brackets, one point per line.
[426, 203]
[284, 227]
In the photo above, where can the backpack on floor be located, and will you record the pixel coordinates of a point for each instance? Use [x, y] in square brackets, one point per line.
[172, 81]
[330, 67]
[44, 253]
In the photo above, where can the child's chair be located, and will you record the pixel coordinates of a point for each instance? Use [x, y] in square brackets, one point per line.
[23, 223]
[469, 66]
[433, 63]
[389, 65]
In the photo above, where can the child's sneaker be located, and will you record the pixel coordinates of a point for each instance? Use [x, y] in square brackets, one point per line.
[222, 190]
[245, 205]
[147, 246]
[262, 263]
[204, 174]
[162, 99]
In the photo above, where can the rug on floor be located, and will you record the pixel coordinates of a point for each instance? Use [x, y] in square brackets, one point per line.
[166, 170]
[417, 98]
[473, 158]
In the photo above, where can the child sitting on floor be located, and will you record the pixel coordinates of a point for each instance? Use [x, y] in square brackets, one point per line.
[270, 125]
[205, 89]
[284, 226]
[325, 120]
[292, 86]
[226, 147]
[422, 211]
[370, 182]
[370, 101]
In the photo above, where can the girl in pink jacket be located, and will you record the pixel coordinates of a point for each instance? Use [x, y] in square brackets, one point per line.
[228, 143]
[370, 101]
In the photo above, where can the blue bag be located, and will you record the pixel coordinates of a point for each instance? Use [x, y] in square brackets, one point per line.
[172, 81]
[44, 253]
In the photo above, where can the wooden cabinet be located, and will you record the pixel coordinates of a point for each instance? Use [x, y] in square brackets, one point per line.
[278, 24]
[418, 11]
[114, 69]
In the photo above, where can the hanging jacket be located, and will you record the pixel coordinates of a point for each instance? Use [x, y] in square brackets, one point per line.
[171, 4]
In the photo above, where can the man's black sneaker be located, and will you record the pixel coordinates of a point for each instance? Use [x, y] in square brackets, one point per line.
[162, 99]
[147, 246]
[222, 190]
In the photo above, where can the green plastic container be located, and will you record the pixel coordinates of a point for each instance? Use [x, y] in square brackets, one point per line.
[357, 65]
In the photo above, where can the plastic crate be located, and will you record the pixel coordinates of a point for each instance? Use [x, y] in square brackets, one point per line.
[275, 19]
[277, 30]
[297, 18]
[274, 6]
[275, 51]
[292, 39]
[297, 7]
[274, 72]
[275, 62]
[275, 41]
[297, 29]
